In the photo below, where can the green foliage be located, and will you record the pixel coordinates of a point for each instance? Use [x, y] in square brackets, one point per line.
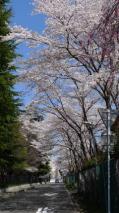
[98, 159]
[70, 186]
[44, 168]
[12, 150]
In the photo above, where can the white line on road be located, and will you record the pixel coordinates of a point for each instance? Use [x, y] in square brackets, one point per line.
[42, 210]
[50, 194]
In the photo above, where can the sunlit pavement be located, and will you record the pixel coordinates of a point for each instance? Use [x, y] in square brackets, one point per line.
[52, 198]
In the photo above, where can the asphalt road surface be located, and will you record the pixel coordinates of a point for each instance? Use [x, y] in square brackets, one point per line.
[49, 198]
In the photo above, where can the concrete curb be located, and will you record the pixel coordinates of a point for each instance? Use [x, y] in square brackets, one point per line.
[13, 189]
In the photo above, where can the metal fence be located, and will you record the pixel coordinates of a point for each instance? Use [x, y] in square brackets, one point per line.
[93, 185]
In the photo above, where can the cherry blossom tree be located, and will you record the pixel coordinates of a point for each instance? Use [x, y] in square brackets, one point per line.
[74, 72]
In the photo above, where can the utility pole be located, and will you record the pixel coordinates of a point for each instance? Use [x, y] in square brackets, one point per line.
[108, 160]
[107, 116]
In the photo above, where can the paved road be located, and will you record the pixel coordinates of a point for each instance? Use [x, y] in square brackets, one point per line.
[52, 198]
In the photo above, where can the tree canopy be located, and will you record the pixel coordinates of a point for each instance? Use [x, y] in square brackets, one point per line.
[12, 150]
[74, 69]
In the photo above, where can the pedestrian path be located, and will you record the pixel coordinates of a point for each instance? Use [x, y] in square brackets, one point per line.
[50, 198]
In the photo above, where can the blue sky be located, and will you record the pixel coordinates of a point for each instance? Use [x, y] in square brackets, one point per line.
[22, 15]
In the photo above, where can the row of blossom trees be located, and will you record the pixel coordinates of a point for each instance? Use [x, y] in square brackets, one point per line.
[74, 69]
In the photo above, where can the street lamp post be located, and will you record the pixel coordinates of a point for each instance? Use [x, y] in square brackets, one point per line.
[108, 160]
[106, 118]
